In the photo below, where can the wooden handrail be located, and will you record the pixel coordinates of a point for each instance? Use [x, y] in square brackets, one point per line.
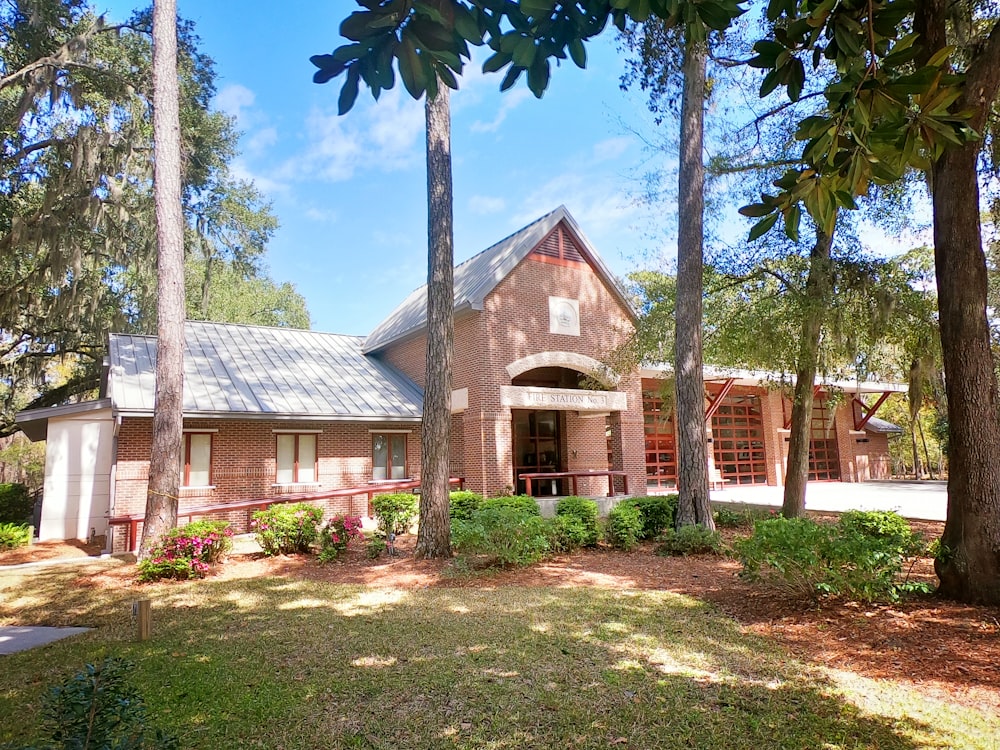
[132, 521]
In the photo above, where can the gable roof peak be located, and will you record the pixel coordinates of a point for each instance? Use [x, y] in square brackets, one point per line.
[476, 277]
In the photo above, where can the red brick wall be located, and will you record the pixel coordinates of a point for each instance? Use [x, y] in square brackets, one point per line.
[244, 463]
[513, 324]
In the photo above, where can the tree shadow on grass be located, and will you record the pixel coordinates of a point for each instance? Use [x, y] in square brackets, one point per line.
[279, 663]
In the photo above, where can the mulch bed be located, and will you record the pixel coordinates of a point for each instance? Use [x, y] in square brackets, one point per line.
[945, 648]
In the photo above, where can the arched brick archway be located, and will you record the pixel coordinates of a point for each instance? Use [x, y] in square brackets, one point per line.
[570, 360]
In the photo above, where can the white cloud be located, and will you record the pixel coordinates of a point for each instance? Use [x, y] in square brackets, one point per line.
[266, 184]
[382, 135]
[508, 102]
[234, 100]
[260, 141]
[611, 148]
[586, 197]
[486, 204]
[323, 215]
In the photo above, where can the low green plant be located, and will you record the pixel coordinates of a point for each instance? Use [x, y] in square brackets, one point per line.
[851, 559]
[501, 537]
[523, 503]
[585, 511]
[624, 527]
[16, 505]
[336, 535]
[729, 518]
[395, 511]
[286, 529]
[97, 709]
[187, 552]
[658, 513]
[463, 503]
[375, 547]
[14, 535]
[693, 539]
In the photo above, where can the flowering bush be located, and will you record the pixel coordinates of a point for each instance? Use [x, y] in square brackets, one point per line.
[286, 529]
[187, 552]
[336, 535]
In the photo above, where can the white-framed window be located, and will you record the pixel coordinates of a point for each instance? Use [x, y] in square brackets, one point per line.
[388, 455]
[296, 458]
[196, 459]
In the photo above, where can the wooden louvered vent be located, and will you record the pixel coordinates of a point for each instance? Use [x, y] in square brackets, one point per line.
[558, 247]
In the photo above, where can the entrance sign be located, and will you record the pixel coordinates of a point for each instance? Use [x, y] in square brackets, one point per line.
[561, 399]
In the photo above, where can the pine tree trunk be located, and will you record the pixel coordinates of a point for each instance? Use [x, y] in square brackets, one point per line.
[969, 566]
[434, 532]
[694, 505]
[164, 464]
[818, 290]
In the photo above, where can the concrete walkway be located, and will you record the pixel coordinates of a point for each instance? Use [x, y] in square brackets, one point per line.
[14, 638]
[927, 500]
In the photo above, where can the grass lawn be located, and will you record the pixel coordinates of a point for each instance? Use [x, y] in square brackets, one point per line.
[285, 663]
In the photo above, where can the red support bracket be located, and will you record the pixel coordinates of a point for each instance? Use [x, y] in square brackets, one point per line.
[860, 424]
[715, 403]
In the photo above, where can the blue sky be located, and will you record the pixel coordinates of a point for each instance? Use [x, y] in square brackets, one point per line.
[350, 191]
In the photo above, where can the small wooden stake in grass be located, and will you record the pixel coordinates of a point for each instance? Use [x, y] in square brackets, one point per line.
[143, 610]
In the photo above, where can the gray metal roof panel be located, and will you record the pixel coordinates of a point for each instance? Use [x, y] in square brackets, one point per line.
[877, 425]
[480, 275]
[237, 369]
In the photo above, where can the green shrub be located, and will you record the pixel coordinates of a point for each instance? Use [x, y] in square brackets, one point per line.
[187, 552]
[884, 525]
[658, 513]
[689, 540]
[16, 505]
[624, 527]
[286, 529]
[524, 503]
[566, 533]
[334, 537]
[395, 511]
[731, 518]
[586, 511]
[97, 709]
[462, 504]
[502, 537]
[810, 559]
[376, 546]
[14, 535]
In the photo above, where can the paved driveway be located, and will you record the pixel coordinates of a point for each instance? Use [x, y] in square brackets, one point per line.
[926, 500]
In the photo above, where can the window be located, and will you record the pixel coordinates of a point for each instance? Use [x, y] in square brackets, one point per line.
[196, 459]
[388, 456]
[296, 458]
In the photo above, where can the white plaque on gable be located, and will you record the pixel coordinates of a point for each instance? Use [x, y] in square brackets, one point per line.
[564, 316]
[561, 399]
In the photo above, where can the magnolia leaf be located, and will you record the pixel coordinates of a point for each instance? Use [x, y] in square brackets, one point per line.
[496, 62]
[763, 226]
[329, 67]
[756, 210]
[349, 91]
[792, 218]
[578, 53]
[511, 78]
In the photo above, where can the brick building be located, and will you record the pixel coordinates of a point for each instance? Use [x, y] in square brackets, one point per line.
[271, 411]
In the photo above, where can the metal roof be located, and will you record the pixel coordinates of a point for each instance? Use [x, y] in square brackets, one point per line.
[480, 275]
[877, 425]
[267, 372]
[762, 377]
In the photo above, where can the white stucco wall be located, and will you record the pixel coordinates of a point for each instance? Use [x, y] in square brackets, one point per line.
[78, 455]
